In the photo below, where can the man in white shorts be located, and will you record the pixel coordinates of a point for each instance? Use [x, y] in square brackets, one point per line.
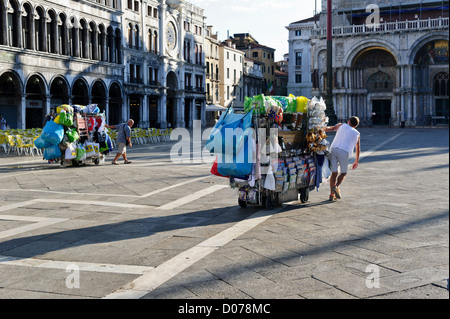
[345, 141]
[124, 140]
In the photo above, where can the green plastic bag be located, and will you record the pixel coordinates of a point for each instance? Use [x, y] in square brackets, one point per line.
[256, 104]
[81, 153]
[66, 119]
[73, 135]
[288, 103]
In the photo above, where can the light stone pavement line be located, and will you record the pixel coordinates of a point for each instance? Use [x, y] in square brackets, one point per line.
[115, 195]
[192, 197]
[375, 148]
[82, 266]
[169, 269]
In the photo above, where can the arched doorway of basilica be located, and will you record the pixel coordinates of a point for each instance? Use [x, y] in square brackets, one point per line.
[35, 99]
[172, 87]
[10, 88]
[373, 75]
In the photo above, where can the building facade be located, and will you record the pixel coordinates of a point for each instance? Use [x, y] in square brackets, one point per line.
[140, 59]
[261, 53]
[390, 61]
[253, 79]
[231, 75]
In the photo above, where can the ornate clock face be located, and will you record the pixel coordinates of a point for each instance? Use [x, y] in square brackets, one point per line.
[171, 36]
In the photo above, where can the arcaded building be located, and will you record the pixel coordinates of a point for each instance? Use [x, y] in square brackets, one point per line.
[140, 59]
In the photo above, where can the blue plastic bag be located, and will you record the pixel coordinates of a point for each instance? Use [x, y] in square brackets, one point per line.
[233, 144]
[52, 152]
[52, 133]
[228, 124]
[40, 143]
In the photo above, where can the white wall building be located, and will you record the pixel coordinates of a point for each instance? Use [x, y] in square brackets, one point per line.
[231, 75]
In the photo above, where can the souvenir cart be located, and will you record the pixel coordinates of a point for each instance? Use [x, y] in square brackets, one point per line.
[279, 154]
[76, 136]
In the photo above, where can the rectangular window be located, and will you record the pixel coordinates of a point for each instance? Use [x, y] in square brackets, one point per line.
[255, 54]
[298, 33]
[298, 58]
[298, 78]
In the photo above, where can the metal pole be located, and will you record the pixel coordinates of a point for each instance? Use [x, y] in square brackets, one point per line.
[329, 99]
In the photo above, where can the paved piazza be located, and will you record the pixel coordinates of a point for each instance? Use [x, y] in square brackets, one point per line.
[156, 229]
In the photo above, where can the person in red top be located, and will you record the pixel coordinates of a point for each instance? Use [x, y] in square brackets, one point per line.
[341, 150]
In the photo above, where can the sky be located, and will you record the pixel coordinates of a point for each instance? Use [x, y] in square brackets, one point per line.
[265, 20]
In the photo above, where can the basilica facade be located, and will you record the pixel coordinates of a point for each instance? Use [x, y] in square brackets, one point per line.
[140, 59]
[390, 60]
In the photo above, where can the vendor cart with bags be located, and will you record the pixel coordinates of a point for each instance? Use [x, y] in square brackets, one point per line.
[76, 136]
[274, 152]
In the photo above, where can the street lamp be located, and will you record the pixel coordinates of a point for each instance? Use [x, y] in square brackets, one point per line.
[329, 98]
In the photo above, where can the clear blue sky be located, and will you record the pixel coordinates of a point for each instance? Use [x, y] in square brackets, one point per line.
[265, 20]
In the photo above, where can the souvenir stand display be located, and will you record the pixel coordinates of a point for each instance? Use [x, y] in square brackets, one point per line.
[76, 136]
[277, 152]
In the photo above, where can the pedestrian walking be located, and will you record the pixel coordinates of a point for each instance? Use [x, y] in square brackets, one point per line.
[2, 123]
[124, 140]
[346, 140]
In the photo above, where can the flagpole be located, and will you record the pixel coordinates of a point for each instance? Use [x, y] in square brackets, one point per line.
[329, 98]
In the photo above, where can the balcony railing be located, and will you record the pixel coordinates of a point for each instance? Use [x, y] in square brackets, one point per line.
[386, 27]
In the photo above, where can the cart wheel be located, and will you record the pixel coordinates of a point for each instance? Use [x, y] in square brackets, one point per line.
[97, 161]
[242, 203]
[304, 195]
[271, 201]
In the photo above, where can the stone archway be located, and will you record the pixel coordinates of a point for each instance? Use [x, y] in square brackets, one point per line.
[115, 104]
[59, 92]
[10, 99]
[80, 92]
[373, 75]
[35, 101]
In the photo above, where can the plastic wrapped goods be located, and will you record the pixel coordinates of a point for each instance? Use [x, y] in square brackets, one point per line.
[52, 152]
[53, 133]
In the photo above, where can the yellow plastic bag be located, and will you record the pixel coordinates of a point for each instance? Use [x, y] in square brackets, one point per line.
[301, 104]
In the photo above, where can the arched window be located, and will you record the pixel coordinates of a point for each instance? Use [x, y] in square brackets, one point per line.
[196, 54]
[83, 39]
[117, 39]
[62, 35]
[39, 30]
[12, 24]
[52, 44]
[27, 27]
[130, 36]
[440, 85]
[93, 48]
[155, 42]
[380, 82]
[136, 37]
[150, 40]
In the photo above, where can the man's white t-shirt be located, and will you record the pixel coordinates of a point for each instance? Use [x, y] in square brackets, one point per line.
[346, 139]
